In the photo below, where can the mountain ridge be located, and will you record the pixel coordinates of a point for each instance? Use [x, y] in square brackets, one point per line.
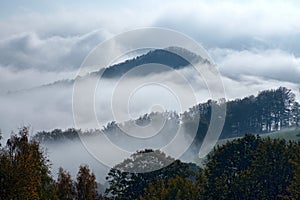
[170, 56]
[173, 57]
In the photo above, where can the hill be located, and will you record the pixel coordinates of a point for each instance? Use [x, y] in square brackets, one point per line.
[173, 57]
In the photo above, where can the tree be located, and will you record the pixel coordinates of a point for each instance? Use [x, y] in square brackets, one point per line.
[296, 114]
[127, 180]
[86, 184]
[271, 169]
[270, 110]
[176, 188]
[293, 190]
[25, 170]
[0, 137]
[65, 187]
[201, 183]
[225, 164]
[294, 187]
[253, 168]
[6, 176]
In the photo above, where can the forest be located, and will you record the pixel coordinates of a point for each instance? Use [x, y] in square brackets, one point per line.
[248, 166]
[271, 110]
[245, 168]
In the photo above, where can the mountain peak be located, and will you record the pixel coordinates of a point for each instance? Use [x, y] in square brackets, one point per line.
[173, 57]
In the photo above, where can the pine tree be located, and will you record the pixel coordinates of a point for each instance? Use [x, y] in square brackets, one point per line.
[294, 187]
[65, 187]
[201, 182]
[271, 169]
[225, 164]
[86, 184]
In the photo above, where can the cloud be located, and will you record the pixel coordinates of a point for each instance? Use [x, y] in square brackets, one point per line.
[29, 51]
[61, 39]
[251, 85]
[41, 108]
[51, 107]
[226, 24]
[231, 23]
[65, 21]
[70, 155]
[268, 64]
[12, 80]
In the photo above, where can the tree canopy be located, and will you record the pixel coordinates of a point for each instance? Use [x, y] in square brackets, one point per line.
[128, 179]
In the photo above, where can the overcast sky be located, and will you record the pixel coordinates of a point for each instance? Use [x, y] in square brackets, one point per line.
[255, 43]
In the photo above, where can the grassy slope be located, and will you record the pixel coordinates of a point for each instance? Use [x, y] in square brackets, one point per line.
[286, 134]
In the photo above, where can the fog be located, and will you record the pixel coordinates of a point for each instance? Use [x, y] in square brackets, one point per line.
[103, 150]
[50, 106]
[70, 155]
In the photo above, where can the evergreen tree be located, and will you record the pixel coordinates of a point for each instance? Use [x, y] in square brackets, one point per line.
[86, 184]
[6, 176]
[65, 187]
[294, 187]
[296, 114]
[293, 190]
[271, 169]
[225, 164]
[201, 182]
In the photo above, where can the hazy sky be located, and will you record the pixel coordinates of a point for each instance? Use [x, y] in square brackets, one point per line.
[255, 43]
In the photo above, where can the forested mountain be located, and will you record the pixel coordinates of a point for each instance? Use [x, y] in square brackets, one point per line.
[173, 57]
[270, 110]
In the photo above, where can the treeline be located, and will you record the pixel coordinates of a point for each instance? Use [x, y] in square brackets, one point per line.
[58, 135]
[246, 168]
[270, 110]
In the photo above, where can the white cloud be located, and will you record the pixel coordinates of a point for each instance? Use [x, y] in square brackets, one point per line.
[12, 80]
[268, 64]
[30, 51]
[43, 108]
[232, 24]
[214, 23]
[51, 107]
[251, 85]
[59, 40]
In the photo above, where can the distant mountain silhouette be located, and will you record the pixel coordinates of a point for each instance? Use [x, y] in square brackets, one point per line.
[173, 57]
